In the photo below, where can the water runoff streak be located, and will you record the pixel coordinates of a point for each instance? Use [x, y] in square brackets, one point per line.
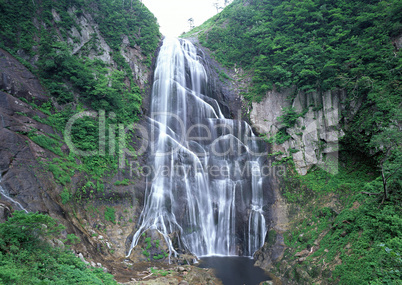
[206, 184]
[6, 195]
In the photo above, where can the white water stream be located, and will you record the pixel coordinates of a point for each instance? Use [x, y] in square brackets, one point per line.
[203, 157]
[6, 195]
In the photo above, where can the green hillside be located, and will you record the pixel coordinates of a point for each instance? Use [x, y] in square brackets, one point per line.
[349, 224]
[88, 56]
[315, 45]
[29, 29]
[46, 36]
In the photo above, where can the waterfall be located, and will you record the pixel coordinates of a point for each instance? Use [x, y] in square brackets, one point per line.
[6, 195]
[206, 180]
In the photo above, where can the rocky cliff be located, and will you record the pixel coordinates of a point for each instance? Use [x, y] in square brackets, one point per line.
[317, 128]
[33, 151]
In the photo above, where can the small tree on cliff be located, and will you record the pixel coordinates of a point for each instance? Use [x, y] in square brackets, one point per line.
[217, 6]
[191, 23]
[389, 144]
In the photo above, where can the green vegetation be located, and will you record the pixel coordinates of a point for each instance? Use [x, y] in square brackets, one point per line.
[287, 120]
[72, 238]
[47, 142]
[351, 233]
[134, 20]
[146, 253]
[316, 46]
[366, 239]
[110, 215]
[66, 74]
[148, 242]
[310, 44]
[152, 249]
[280, 137]
[122, 182]
[27, 258]
[46, 33]
[65, 196]
[160, 272]
[115, 18]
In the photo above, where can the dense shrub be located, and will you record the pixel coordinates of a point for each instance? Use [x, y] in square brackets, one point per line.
[27, 258]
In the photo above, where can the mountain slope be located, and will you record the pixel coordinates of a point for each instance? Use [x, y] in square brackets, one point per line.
[324, 89]
[90, 63]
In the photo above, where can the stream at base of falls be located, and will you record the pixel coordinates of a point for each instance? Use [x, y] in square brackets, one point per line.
[235, 270]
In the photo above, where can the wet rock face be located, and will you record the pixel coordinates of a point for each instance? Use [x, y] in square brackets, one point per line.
[26, 178]
[19, 156]
[5, 211]
[15, 79]
[223, 90]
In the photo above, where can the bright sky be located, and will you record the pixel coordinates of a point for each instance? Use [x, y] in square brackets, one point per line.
[173, 15]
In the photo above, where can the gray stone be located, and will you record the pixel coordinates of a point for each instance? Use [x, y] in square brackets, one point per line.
[82, 258]
[315, 135]
[5, 211]
[302, 253]
[398, 42]
[301, 259]
[181, 269]
[59, 243]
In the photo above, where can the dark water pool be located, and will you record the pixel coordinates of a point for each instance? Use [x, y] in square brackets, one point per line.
[235, 270]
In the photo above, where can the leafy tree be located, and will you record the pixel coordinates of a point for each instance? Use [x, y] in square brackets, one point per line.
[388, 143]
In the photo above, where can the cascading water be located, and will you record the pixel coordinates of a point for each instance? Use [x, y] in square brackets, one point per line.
[206, 179]
[6, 195]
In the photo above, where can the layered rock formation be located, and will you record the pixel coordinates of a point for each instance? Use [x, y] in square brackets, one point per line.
[25, 165]
[314, 137]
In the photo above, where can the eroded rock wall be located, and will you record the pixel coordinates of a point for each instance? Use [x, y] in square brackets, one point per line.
[24, 164]
[26, 178]
[314, 137]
